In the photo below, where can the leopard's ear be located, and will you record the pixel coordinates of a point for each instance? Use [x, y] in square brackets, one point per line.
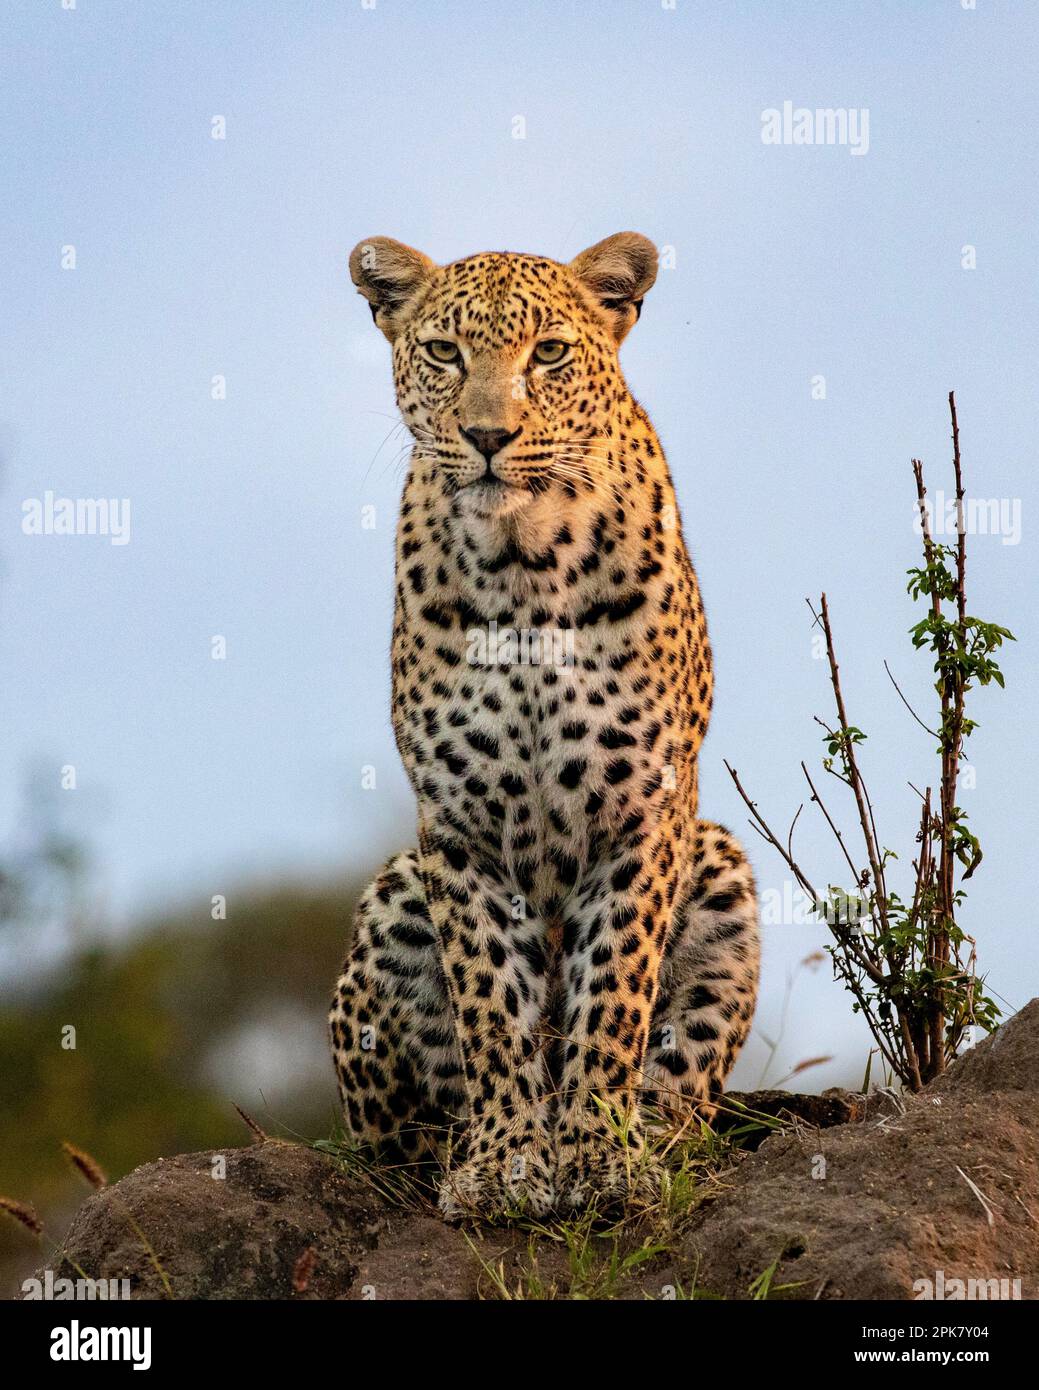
[618, 272]
[391, 276]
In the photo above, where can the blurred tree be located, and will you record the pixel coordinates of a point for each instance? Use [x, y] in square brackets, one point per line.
[149, 1016]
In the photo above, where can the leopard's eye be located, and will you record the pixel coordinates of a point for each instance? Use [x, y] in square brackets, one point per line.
[551, 352]
[442, 352]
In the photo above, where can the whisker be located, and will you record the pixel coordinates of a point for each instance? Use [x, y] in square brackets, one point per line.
[389, 434]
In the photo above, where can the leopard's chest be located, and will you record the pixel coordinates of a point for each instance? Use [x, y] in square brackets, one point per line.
[545, 743]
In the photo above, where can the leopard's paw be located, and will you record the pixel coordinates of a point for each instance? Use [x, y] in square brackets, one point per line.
[602, 1172]
[502, 1181]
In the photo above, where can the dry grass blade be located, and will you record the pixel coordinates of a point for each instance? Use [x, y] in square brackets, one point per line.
[979, 1194]
[86, 1166]
[261, 1135]
[23, 1213]
[804, 1066]
[146, 1245]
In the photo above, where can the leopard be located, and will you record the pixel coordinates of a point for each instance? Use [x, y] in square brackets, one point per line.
[569, 952]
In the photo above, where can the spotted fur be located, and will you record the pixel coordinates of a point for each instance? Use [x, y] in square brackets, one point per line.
[568, 939]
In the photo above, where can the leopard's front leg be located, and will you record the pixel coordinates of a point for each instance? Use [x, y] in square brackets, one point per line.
[495, 966]
[613, 944]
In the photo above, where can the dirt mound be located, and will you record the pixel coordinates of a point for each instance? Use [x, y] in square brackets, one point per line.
[938, 1187]
[944, 1181]
[271, 1221]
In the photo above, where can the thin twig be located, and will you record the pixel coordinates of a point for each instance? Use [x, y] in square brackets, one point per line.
[767, 834]
[978, 1193]
[908, 706]
[865, 819]
[856, 873]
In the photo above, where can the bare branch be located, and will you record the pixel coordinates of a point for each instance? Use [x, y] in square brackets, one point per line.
[856, 873]
[766, 833]
[858, 788]
[790, 833]
[908, 706]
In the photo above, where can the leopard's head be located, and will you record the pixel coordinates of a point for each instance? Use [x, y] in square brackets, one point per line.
[506, 365]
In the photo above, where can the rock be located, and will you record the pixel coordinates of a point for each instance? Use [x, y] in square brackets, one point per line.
[864, 1210]
[283, 1222]
[850, 1200]
[833, 1107]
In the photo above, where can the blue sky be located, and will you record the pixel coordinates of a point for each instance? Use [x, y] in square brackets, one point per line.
[198, 257]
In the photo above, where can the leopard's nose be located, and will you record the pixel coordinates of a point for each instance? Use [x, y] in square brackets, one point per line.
[488, 442]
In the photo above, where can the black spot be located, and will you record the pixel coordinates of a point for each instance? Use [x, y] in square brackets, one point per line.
[434, 613]
[417, 575]
[455, 855]
[625, 874]
[618, 771]
[483, 743]
[572, 773]
[614, 612]
[616, 738]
